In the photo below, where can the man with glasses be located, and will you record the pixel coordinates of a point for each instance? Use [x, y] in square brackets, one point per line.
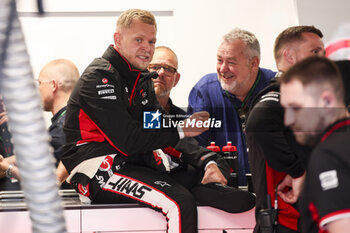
[55, 82]
[165, 63]
[227, 94]
[192, 176]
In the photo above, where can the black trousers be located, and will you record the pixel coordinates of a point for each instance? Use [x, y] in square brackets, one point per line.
[159, 191]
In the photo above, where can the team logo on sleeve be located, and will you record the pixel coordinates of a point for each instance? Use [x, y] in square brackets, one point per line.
[151, 120]
[329, 180]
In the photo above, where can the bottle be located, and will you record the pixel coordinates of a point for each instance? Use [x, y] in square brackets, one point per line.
[213, 147]
[231, 156]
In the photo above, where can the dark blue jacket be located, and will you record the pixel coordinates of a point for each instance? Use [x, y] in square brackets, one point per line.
[207, 95]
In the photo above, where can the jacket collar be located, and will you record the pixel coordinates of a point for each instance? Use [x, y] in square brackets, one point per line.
[133, 77]
[127, 72]
[272, 86]
[59, 114]
[336, 126]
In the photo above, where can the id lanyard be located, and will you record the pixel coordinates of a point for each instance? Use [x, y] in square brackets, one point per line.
[242, 110]
[64, 112]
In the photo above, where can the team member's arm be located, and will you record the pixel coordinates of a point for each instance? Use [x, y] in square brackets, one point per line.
[295, 186]
[61, 173]
[8, 165]
[329, 184]
[213, 174]
[339, 226]
[196, 103]
[190, 131]
[211, 163]
[3, 118]
[265, 126]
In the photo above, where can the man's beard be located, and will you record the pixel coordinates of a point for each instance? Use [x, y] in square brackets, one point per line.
[310, 138]
[307, 139]
[160, 92]
[47, 106]
[230, 87]
[234, 85]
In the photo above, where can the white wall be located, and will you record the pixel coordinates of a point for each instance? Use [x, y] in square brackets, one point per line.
[331, 17]
[192, 28]
[328, 16]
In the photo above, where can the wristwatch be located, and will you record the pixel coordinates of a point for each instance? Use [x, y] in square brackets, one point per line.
[8, 172]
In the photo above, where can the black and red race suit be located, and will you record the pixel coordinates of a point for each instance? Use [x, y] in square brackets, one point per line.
[107, 143]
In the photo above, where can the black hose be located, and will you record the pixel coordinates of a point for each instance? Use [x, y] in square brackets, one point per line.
[40, 7]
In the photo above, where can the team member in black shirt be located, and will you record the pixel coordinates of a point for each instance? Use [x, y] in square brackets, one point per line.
[165, 63]
[273, 151]
[312, 94]
[55, 82]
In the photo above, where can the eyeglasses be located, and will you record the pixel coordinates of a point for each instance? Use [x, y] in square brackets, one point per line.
[167, 69]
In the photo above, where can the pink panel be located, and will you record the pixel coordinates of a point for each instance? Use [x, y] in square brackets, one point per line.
[123, 219]
[211, 218]
[133, 219]
[19, 221]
